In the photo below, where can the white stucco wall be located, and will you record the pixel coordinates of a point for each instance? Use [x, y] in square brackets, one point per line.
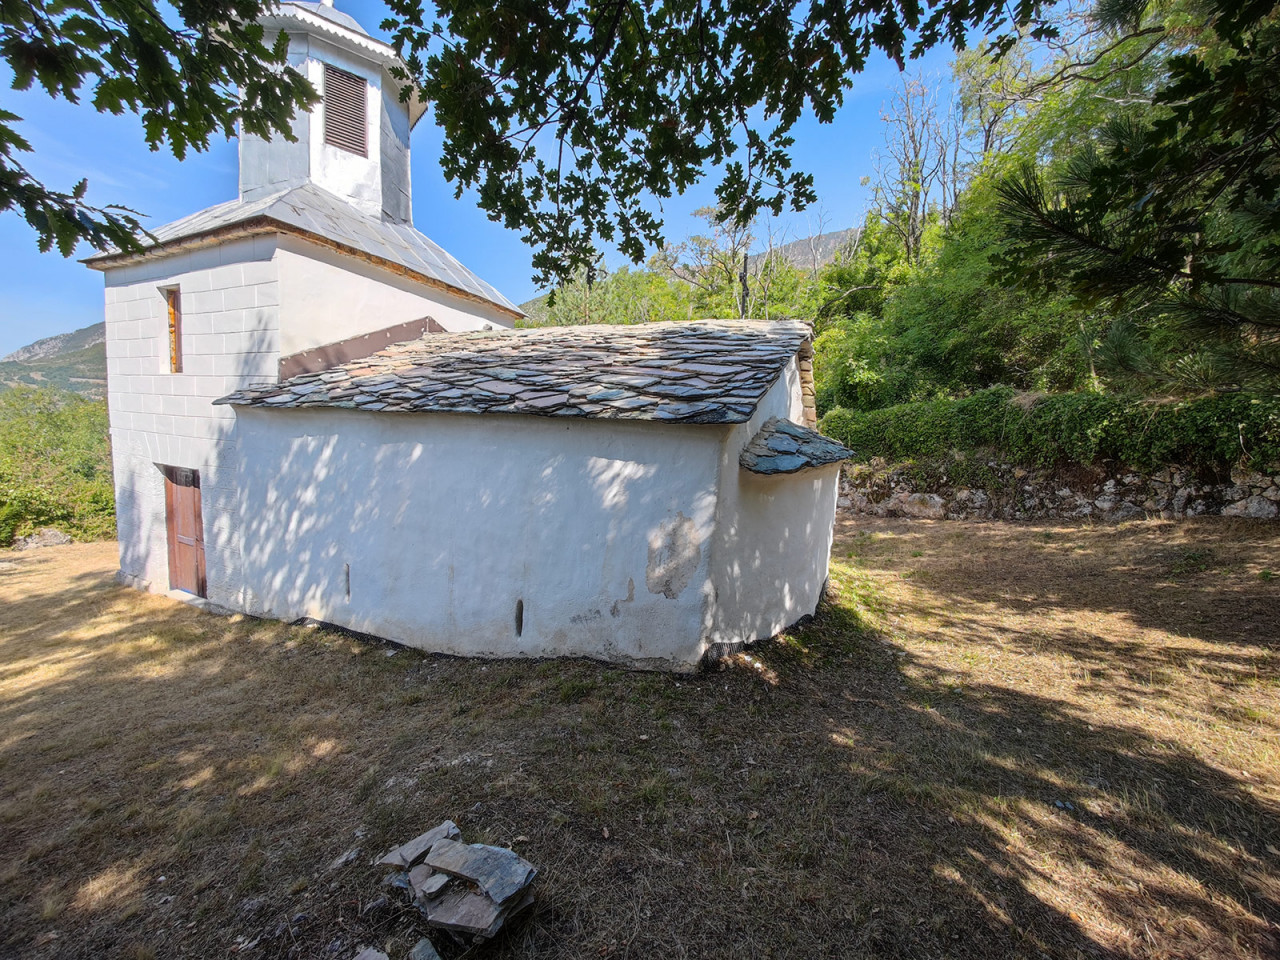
[442, 523]
[397, 193]
[326, 297]
[229, 339]
[773, 534]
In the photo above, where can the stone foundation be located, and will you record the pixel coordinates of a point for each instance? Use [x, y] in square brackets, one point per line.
[1009, 492]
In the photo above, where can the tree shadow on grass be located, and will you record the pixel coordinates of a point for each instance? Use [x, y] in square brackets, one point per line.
[1194, 579]
[822, 796]
[1012, 818]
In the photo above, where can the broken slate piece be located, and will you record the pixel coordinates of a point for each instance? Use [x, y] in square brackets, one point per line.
[427, 883]
[512, 907]
[399, 880]
[423, 950]
[465, 910]
[499, 872]
[368, 953]
[407, 854]
[433, 886]
[342, 861]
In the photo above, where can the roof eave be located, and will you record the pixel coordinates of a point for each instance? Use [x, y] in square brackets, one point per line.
[262, 225]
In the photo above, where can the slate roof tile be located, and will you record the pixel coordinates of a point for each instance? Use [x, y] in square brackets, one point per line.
[785, 447]
[711, 371]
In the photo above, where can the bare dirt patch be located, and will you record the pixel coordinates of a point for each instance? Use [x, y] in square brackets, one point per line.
[997, 740]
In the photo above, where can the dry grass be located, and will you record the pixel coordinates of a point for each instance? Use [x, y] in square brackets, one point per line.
[998, 741]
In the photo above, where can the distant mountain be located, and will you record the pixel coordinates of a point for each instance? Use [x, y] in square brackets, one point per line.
[75, 361]
[89, 336]
[810, 252]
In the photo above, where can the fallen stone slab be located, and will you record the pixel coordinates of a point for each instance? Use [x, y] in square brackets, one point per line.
[409, 854]
[499, 872]
[464, 909]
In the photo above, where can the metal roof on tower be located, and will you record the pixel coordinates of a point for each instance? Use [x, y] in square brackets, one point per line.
[355, 203]
[316, 214]
[329, 12]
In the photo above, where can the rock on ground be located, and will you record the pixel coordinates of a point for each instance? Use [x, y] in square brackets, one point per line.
[44, 537]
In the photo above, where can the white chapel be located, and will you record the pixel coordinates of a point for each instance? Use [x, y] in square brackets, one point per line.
[318, 414]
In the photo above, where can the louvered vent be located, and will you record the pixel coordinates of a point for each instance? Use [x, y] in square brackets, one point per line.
[345, 116]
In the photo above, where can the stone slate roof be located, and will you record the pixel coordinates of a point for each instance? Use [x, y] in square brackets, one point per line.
[313, 210]
[785, 447]
[713, 371]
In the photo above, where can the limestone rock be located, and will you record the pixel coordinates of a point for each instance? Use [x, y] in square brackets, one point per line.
[44, 537]
[1255, 508]
[926, 506]
[369, 953]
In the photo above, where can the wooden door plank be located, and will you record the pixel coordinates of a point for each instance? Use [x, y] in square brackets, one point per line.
[185, 528]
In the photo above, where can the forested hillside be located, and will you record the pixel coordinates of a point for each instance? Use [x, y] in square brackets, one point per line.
[75, 361]
[1095, 213]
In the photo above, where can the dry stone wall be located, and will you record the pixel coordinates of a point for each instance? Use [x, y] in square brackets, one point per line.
[1002, 491]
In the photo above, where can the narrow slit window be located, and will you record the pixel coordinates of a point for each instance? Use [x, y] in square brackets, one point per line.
[345, 111]
[173, 301]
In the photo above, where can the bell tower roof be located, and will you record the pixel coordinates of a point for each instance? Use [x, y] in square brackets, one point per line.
[354, 143]
[329, 12]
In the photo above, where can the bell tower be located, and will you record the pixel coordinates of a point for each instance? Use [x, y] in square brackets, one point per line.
[354, 142]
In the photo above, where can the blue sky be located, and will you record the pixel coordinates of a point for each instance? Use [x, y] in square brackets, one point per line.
[43, 294]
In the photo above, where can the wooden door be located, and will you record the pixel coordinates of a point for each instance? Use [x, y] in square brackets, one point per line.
[186, 530]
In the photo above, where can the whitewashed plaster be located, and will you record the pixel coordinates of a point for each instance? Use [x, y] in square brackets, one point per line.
[773, 534]
[631, 541]
[440, 524]
[230, 338]
[326, 296]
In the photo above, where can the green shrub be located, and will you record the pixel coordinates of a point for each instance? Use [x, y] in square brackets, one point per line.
[55, 465]
[1085, 428]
